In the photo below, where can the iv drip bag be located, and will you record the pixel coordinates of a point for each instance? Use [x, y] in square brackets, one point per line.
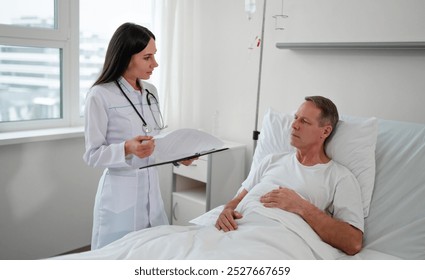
[250, 7]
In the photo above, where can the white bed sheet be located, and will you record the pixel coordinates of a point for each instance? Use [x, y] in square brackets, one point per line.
[263, 233]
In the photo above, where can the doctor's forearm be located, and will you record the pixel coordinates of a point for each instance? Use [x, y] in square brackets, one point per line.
[106, 156]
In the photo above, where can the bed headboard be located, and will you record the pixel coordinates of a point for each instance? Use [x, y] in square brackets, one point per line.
[396, 222]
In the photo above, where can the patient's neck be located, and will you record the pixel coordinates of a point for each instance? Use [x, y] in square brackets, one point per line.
[310, 157]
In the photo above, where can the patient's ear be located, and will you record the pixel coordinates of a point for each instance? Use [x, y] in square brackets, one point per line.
[327, 129]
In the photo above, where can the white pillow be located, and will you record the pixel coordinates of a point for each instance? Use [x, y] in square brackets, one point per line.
[352, 145]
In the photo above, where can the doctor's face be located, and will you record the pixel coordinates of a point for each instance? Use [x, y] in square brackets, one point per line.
[306, 128]
[142, 64]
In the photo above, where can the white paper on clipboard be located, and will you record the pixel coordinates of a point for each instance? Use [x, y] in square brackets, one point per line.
[183, 143]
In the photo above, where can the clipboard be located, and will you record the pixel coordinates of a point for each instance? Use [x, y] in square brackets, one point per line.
[185, 158]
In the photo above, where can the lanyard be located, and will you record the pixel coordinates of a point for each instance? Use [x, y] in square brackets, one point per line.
[145, 125]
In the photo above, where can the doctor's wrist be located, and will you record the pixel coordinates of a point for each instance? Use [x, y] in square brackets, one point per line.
[127, 149]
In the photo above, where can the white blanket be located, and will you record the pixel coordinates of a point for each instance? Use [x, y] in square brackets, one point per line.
[262, 234]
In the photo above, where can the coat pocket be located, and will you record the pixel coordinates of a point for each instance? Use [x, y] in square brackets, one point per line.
[119, 192]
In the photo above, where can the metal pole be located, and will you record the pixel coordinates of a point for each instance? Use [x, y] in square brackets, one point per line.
[256, 132]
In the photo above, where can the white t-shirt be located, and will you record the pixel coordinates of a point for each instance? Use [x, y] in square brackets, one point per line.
[331, 187]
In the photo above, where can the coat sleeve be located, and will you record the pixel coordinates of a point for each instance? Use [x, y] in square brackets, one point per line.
[100, 153]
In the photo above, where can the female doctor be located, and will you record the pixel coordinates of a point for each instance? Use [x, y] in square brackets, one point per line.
[121, 116]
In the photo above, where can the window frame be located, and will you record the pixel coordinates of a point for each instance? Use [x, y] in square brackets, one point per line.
[64, 37]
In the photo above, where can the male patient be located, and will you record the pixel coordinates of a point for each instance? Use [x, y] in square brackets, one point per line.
[324, 193]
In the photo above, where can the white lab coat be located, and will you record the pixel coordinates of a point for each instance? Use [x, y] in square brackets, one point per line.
[128, 198]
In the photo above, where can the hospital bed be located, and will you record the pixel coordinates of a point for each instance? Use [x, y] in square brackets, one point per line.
[388, 159]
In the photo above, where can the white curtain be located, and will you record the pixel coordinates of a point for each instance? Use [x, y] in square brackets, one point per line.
[175, 21]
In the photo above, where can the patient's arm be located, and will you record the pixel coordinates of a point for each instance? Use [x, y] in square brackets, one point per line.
[335, 232]
[226, 219]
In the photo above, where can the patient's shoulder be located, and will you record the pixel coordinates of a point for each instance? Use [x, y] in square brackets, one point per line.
[337, 165]
[340, 169]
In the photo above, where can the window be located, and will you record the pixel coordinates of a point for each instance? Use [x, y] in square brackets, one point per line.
[51, 52]
[40, 13]
[30, 87]
[35, 54]
[96, 29]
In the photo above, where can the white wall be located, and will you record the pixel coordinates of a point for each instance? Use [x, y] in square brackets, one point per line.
[46, 198]
[227, 69]
[382, 83]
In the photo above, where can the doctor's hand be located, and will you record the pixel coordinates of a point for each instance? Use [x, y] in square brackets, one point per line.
[226, 220]
[141, 146]
[188, 162]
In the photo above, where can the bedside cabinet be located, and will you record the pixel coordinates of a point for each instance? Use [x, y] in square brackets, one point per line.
[210, 181]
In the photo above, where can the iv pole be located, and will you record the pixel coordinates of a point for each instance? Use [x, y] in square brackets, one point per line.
[256, 132]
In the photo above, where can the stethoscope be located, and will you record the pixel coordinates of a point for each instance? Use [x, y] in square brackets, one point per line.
[149, 97]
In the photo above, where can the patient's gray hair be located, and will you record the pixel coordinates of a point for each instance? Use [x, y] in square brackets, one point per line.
[329, 112]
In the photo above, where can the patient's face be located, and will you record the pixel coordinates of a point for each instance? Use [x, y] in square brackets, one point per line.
[306, 130]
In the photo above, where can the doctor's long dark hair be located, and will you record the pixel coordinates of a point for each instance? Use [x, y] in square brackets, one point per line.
[128, 39]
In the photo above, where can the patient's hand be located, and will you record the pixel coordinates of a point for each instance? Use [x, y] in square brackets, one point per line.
[226, 220]
[285, 199]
